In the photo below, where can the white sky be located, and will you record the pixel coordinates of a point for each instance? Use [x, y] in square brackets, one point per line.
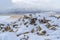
[39, 4]
[30, 4]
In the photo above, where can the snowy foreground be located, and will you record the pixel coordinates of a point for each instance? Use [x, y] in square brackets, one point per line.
[31, 27]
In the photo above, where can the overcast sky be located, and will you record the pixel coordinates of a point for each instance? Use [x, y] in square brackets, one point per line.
[34, 4]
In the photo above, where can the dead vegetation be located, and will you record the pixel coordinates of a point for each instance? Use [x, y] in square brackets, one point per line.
[26, 17]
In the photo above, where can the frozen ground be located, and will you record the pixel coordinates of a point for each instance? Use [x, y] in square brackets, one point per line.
[31, 27]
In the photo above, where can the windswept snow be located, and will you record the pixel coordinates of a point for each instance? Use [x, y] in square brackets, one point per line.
[3, 18]
[8, 36]
[32, 27]
[8, 19]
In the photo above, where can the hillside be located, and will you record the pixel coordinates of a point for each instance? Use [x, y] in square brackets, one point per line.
[31, 27]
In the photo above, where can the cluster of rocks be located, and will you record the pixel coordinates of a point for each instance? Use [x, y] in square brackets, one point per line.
[34, 21]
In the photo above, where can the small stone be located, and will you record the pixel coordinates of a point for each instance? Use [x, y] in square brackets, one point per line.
[7, 28]
[25, 23]
[32, 30]
[47, 34]
[1, 28]
[35, 24]
[33, 20]
[26, 33]
[30, 14]
[11, 30]
[15, 25]
[38, 28]
[1, 24]
[44, 20]
[41, 33]
[48, 25]
[55, 25]
[53, 28]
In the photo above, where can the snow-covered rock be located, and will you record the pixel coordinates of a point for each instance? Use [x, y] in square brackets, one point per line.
[32, 27]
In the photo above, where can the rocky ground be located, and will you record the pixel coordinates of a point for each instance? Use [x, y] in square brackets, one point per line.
[32, 27]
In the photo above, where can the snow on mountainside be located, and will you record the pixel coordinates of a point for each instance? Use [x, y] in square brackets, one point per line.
[32, 27]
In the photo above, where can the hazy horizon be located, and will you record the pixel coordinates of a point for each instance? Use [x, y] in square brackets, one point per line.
[30, 5]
